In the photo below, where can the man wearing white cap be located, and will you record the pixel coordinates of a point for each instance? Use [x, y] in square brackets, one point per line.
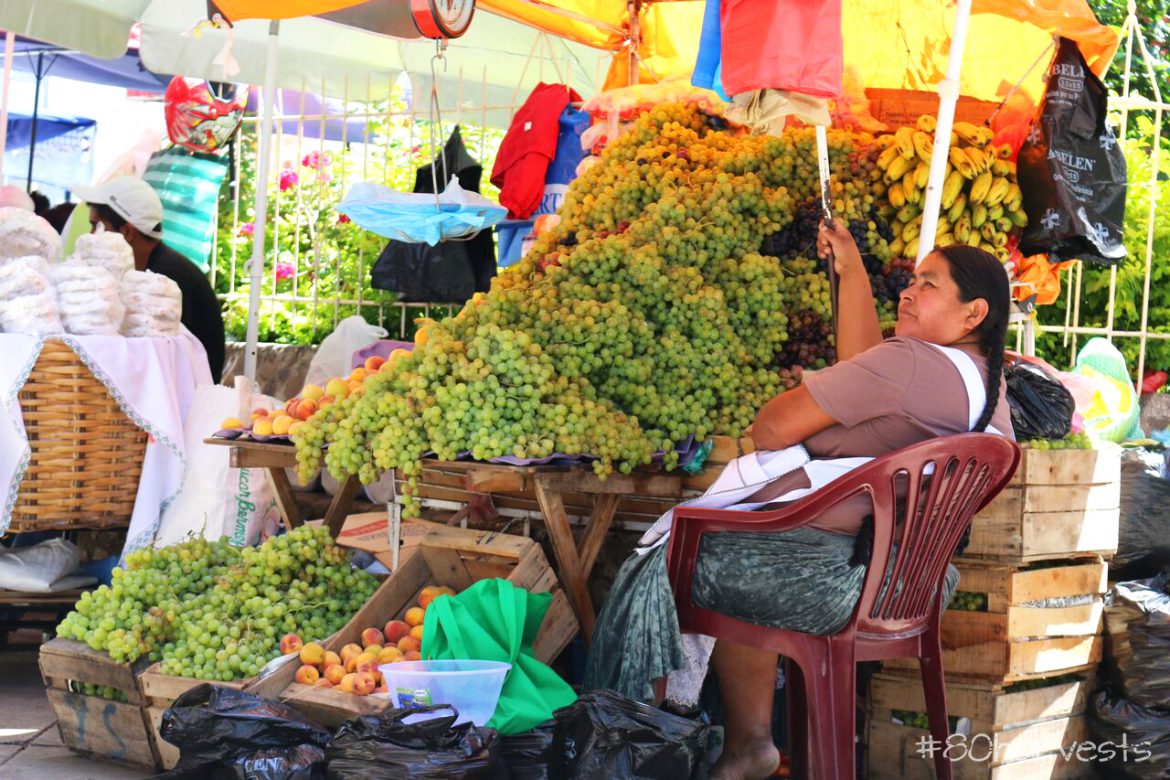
[130, 206]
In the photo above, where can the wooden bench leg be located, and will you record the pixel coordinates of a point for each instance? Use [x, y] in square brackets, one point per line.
[340, 505]
[552, 505]
[286, 502]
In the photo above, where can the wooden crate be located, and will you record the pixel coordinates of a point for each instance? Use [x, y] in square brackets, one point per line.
[160, 690]
[1059, 504]
[902, 107]
[457, 558]
[110, 730]
[1028, 729]
[1016, 639]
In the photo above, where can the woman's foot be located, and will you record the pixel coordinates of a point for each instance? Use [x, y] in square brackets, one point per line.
[752, 762]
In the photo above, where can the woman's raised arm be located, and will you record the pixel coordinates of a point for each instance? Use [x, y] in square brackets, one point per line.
[857, 320]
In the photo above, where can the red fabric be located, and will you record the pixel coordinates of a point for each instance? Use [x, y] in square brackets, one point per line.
[795, 45]
[529, 147]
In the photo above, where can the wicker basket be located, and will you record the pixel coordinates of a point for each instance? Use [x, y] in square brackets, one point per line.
[86, 454]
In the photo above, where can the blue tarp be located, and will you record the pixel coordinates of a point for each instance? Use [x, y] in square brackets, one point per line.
[126, 71]
[48, 127]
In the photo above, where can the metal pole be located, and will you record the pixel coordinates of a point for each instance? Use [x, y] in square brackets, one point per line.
[634, 8]
[9, 51]
[32, 142]
[948, 91]
[267, 110]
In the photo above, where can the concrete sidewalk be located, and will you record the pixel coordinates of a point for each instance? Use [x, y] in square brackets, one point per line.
[30, 746]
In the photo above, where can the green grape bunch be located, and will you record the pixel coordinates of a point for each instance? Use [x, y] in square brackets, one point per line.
[650, 313]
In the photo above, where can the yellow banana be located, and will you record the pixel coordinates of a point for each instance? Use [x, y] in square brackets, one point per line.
[904, 138]
[911, 231]
[944, 239]
[898, 169]
[911, 248]
[962, 163]
[1004, 152]
[969, 133]
[952, 189]
[980, 160]
[957, 208]
[923, 146]
[980, 186]
[896, 247]
[995, 212]
[1004, 168]
[927, 123]
[886, 211]
[962, 229]
[907, 213]
[895, 195]
[884, 141]
[998, 190]
[974, 239]
[1002, 254]
[1004, 225]
[1018, 218]
[987, 134]
[910, 189]
[886, 157]
[988, 231]
[978, 215]
[922, 175]
[1014, 193]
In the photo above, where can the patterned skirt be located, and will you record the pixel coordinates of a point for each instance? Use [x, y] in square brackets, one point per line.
[800, 580]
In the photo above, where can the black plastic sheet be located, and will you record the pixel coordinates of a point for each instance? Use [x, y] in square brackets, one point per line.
[1143, 545]
[604, 735]
[1041, 407]
[527, 756]
[226, 733]
[386, 747]
[1138, 623]
[1071, 168]
[1129, 740]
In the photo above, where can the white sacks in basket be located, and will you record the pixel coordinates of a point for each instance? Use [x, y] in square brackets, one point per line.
[104, 250]
[154, 304]
[89, 300]
[28, 300]
[23, 233]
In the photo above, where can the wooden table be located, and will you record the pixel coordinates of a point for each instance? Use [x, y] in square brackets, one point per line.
[274, 459]
[550, 485]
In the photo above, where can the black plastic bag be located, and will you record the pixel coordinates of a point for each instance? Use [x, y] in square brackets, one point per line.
[1130, 740]
[1041, 407]
[226, 733]
[528, 756]
[451, 271]
[384, 747]
[604, 735]
[1071, 168]
[1143, 545]
[1137, 661]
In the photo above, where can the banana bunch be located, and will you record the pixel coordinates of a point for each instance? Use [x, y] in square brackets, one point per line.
[981, 200]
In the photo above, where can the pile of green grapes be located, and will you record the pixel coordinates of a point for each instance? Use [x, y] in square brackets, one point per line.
[655, 310]
[1074, 441]
[100, 691]
[213, 612]
[968, 601]
[920, 720]
[1044, 682]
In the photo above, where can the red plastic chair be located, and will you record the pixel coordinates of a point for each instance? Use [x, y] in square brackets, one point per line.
[945, 482]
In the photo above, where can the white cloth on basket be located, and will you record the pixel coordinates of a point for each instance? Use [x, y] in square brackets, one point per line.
[153, 381]
[746, 475]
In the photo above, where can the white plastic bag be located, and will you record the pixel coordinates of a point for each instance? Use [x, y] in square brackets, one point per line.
[217, 500]
[42, 568]
[335, 355]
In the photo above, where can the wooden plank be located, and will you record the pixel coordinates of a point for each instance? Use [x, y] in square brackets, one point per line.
[558, 629]
[1044, 535]
[726, 449]
[669, 485]
[600, 521]
[107, 729]
[1013, 661]
[1040, 584]
[493, 481]
[61, 660]
[168, 754]
[1070, 467]
[286, 502]
[565, 550]
[446, 567]
[1071, 498]
[162, 689]
[478, 542]
[331, 708]
[531, 568]
[339, 506]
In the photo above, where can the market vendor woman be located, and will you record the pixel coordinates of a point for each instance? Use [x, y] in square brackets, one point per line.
[940, 375]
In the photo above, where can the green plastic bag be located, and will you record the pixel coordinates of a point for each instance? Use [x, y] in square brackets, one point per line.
[1115, 411]
[188, 185]
[493, 620]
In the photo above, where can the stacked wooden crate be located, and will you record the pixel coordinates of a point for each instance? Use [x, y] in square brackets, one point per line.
[1023, 634]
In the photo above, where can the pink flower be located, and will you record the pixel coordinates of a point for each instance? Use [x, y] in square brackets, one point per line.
[247, 229]
[342, 219]
[284, 271]
[324, 177]
[309, 160]
[316, 160]
[288, 179]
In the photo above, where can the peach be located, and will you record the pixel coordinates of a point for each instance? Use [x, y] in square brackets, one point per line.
[417, 632]
[291, 643]
[337, 388]
[414, 616]
[413, 655]
[359, 374]
[395, 630]
[350, 651]
[385, 368]
[296, 427]
[373, 363]
[262, 427]
[364, 684]
[312, 392]
[335, 673]
[257, 414]
[313, 654]
[422, 335]
[369, 666]
[429, 594]
[347, 682]
[231, 423]
[389, 655]
[372, 636]
[307, 675]
[382, 688]
[397, 355]
[409, 643]
[304, 409]
[372, 649]
[448, 590]
[281, 424]
[325, 402]
[354, 386]
[331, 659]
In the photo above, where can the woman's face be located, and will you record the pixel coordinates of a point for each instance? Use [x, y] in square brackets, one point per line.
[930, 308]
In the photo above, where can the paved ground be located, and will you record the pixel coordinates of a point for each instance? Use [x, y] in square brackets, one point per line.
[30, 746]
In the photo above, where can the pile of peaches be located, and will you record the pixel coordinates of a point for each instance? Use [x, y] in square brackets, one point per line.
[354, 668]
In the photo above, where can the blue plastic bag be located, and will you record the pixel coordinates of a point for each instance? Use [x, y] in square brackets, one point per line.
[417, 218]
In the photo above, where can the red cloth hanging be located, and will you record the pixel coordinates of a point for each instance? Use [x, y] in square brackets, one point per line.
[529, 148]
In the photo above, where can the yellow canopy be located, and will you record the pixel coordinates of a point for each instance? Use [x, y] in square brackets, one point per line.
[237, 10]
[897, 44]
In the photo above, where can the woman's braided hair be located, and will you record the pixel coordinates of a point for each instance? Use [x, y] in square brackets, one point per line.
[980, 275]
